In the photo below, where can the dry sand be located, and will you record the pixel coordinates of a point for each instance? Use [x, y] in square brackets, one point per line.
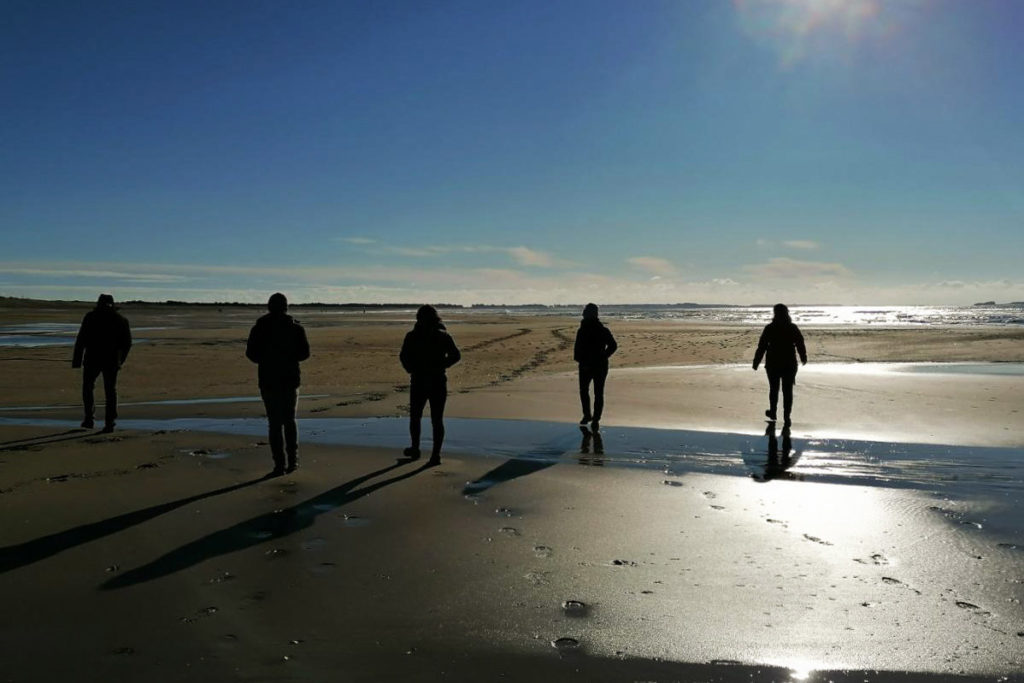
[163, 556]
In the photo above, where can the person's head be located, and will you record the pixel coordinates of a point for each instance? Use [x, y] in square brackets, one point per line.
[427, 315]
[590, 312]
[105, 301]
[277, 303]
[781, 311]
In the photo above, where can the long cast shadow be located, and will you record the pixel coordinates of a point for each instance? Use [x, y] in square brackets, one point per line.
[42, 440]
[537, 459]
[265, 527]
[30, 552]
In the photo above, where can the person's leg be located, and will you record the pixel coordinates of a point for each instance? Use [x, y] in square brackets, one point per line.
[417, 400]
[110, 398]
[275, 427]
[89, 375]
[438, 398]
[289, 404]
[585, 378]
[787, 396]
[773, 394]
[600, 375]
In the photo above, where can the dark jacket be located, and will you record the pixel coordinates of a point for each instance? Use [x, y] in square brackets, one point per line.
[103, 341]
[779, 340]
[428, 350]
[594, 343]
[277, 343]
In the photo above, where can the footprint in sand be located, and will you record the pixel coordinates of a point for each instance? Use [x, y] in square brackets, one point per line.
[815, 539]
[565, 644]
[542, 551]
[575, 608]
[710, 494]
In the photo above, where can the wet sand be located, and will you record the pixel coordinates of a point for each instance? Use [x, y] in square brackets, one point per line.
[163, 555]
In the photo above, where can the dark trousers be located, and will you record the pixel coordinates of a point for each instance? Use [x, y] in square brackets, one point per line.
[596, 374]
[423, 390]
[786, 378]
[280, 405]
[89, 375]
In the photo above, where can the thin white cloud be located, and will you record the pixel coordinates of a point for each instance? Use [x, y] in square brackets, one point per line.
[521, 255]
[357, 240]
[525, 256]
[792, 269]
[653, 264]
[802, 244]
[99, 274]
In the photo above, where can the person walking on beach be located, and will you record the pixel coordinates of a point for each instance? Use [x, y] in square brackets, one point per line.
[427, 352]
[277, 344]
[594, 346]
[101, 347]
[779, 345]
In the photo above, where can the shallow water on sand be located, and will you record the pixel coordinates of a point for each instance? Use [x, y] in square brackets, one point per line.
[773, 454]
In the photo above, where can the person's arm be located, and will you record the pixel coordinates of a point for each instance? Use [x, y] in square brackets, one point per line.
[762, 346]
[302, 345]
[452, 353]
[576, 350]
[405, 355]
[610, 346]
[125, 344]
[76, 358]
[800, 348]
[252, 350]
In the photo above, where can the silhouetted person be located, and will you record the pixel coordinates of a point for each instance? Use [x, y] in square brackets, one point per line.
[594, 345]
[101, 347]
[427, 352]
[779, 345]
[277, 343]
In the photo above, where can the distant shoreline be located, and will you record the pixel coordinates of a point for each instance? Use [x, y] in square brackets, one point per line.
[21, 302]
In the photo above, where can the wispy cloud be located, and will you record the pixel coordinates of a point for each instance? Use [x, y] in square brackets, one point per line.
[521, 255]
[653, 264]
[792, 269]
[357, 240]
[97, 274]
[802, 244]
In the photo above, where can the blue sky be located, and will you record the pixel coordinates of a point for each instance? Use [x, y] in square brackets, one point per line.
[812, 151]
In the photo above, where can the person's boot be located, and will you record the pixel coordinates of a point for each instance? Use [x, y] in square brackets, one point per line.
[293, 463]
[88, 423]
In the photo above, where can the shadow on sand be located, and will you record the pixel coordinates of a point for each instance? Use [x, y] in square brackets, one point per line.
[15, 556]
[536, 459]
[265, 527]
[43, 439]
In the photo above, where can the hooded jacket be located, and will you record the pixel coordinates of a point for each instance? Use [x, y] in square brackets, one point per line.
[104, 339]
[277, 343]
[778, 340]
[594, 343]
[428, 350]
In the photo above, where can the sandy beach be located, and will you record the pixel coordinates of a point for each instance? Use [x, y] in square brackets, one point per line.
[889, 549]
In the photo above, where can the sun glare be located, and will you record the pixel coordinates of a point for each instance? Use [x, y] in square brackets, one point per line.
[800, 28]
